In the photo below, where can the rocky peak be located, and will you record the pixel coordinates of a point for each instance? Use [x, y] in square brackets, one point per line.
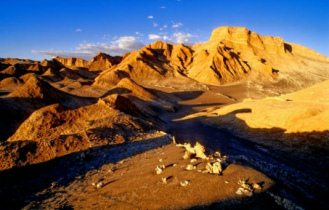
[103, 61]
[72, 62]
[101, 56]
[230, 33]
[245, 38]
[158, 49]
[159, 45]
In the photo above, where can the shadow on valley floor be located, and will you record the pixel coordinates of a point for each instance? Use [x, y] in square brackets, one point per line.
[187, 95]
[188, 109]
[297, 162]
[184, 109]
[18, 186]
[173, 98]
[258, 201]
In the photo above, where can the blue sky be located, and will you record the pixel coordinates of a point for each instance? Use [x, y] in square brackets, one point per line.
[43, 28]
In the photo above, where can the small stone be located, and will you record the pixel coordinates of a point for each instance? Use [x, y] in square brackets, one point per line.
[242, 191]
[239, 191]
[215, 168]
[99, 185]
[159, 169]
[200, 151]
[174, 140]
[160, 160]
[226, 182]
[193, 160]
[217, 154]
[186, 155]
[190, 167]
[164, 180]
[245, 185]
[184, 183]
[256, 186]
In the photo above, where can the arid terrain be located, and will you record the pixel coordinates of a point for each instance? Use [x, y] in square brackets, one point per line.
[238, 122]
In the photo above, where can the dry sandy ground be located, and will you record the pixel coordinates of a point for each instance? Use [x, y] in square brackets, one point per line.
[295, 122]
[133, 184]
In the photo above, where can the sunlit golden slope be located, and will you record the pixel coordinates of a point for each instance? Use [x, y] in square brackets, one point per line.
[234, 53]
[158, 60]
[303, 111]
[231, 54]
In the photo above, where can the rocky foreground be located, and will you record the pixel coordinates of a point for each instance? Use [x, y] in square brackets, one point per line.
[158, 179]
[99, 133]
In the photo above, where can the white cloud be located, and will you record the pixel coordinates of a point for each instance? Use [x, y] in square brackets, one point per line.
[155, 24]
[154, 37]
[150, 17]
[163, 7]
[54, 53]
[165, 38]
[78, 30]
[159, 37]
[119, 46]
[177, 25]
[181, 37]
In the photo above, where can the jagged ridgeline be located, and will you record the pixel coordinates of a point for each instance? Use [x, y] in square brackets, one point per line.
[231, 54]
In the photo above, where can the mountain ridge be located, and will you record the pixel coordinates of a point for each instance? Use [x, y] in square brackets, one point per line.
[232, 54]
[221, 60]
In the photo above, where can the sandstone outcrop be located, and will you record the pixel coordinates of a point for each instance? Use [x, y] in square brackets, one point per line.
[100, 62]
[145, 100]
[236, 53]
[103, 61]
[231, 54]
[158, 60]
[54, 131]
[72, 62]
